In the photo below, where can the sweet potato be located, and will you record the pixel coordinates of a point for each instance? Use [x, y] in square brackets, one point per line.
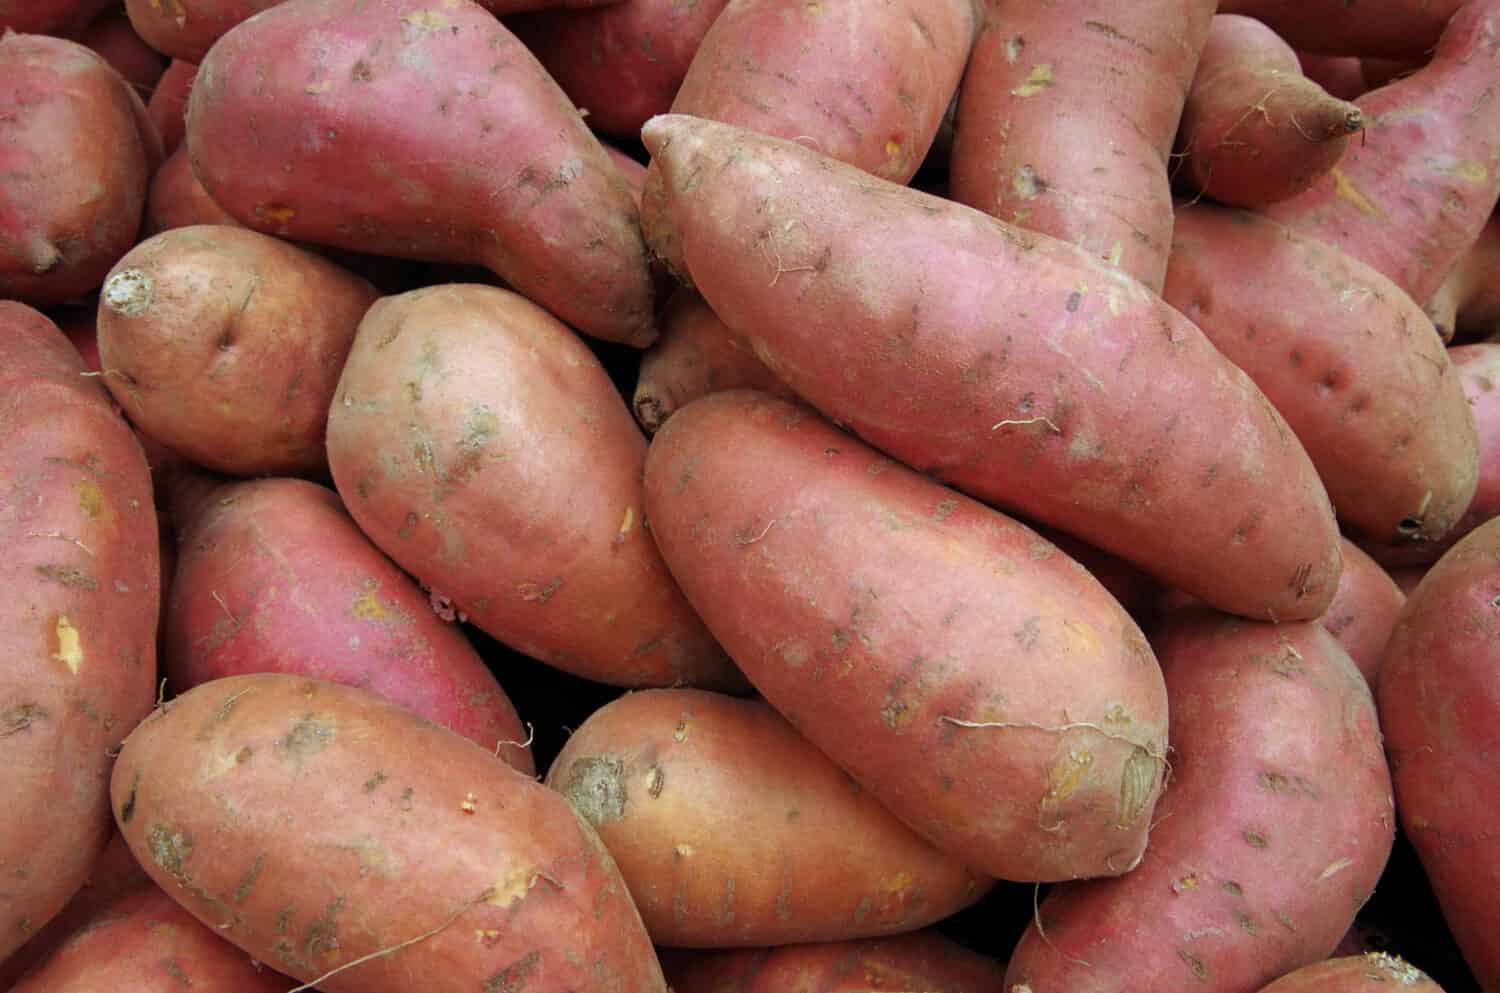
[918, 960]
[1440, 711]
[482, 446]
[865, 83]
[341, 839]
[177, 200]
[1009, 364]
[328, 121]
[275, 577]
[695, 355]
[1254, 129]
[1374, 972]
[1341, 75]
[145, 943]
[1395, 28]
[979, 683]
[55, 17]
[74, 165]
[82, 577]
[1066, 118]
[732, 830]
[1351, 363]
[1467, 306]
[1364, 611]
[1411, 200]
[621, 63]
[226, 345]
[168, 105]
[115, 41]
[1273, 833]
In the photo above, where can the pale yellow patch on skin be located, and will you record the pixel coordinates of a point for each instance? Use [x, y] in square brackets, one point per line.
[91, 499]
[1346, 190]
[1038, 81]
[367, 608]
[69, 645]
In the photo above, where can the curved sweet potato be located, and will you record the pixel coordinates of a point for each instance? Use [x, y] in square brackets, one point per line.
[1364, 611]
[1341, 75]
[1009, 364]
[1373, 972]
[329, 121]
[1467, 306]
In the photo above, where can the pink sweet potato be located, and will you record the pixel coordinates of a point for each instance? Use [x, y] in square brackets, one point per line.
[1009, 364]
[1440, 711]
[1374, 972]
[1364, 611]
[1066, 118]
[1396, 28]
[275, 577]
[79, 619]
[482, 446]
[1341, 75]
[54, 17]
[177, 200]
[1275, 828]
[112, 37]
[1467, 306]
[976, 681]
[168, 105]
[400, 128]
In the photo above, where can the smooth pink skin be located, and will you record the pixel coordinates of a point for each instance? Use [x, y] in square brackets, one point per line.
[1467, 307]
[1364, 611]
[969, 350]
[401, 128]
[117, 43]
[54, 17]
[1340, 75]
[1414, 197]
[1272, 833]
[168, 105]
[1066, 119]
[177, 200]
[1440, 711]
[1373, 972]
[1393, 28]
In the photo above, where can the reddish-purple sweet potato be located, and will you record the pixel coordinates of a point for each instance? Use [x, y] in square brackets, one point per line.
[177, 200]
[979, 683]
[1396, 28]
[112, 37]
[1467, 306]
[401, 128]
[1009, 364]
[1364, 611]
[1275, 828]
[168, 105]
[1341, 75]
[1374, 972]
[54, 17]
[78, 621]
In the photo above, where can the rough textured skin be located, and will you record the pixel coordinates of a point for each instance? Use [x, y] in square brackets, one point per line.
[1467, 306]
[918, 960]
[144, 942]
[1394, 28]
[78, 621]
[55, 17]
[1347, 358]
[177, 200]
[482, 446]
[979, 683]
[622, 63]
[1373, 972]
[313, 824]
[1440, 710]
[407, 128]
[1066, 117]
[168, 105]
[73, 169]
[864, 81]
[274, 576]
[1364, 611]
[695, 355]
[732, 830]
[113, 39]
[1275, 827]
[1006, 363]
[225, 345]
[1254, 129]
[1412, 199]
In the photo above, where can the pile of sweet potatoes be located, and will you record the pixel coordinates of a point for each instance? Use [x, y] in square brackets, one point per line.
[930, 496]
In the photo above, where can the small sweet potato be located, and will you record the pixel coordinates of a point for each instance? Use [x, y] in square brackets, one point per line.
[348, 843]
[1364, 611]
[1373, 972]
[168, 105]
[177, 200]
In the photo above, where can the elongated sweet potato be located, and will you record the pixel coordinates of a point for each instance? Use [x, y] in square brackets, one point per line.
[1374, 972]
[482, 446]
[225, 345]
[865, 83]
[1273, 833]
[177, 200]
[731, 829]
[78, 622]
[320, 827]
[1066, 118]
[1440, 711]
[1467, 306]
[1350, 362]
[1009, 364]
[402, 128]
[1394, 28]
[1412, 199]
[275, 577]
[979, 683]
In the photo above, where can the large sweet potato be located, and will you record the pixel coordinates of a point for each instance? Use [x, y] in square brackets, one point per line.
[1010, 364]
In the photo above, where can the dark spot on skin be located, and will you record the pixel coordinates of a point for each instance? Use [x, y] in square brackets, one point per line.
[128, 810]
[1074, 299]
[20, 717]
[1256, 840]
[308, 737]
[75, 579]
[373, 783]
[322, 938]
[169, 848]
[512, 979]
[596, 788]
[1194, 964]
[247, 881]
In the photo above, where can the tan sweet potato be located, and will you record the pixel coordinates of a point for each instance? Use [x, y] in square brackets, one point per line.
[177, 200]
[732, 830]
[1275, 828]
[79, 621]
[979, 683]
[1374, 972]
[1397, 28]
[1009, 364]
[398, 128]
[482, 446]
[319, 827]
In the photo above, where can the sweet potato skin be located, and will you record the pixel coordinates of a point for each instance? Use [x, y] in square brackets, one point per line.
[1006, 363]
[482, 446]
[1277, 824]
[52, 17]
[167, 107]
[79, 620]
[485, 162]
[902, 627]
[1440, 711]
[112, 38]
[1396, 29]
[1364, 611]
[1373, 972]
[731, 829]
[177, 200]
[312, 823]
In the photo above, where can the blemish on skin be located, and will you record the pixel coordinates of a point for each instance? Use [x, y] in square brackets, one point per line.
[1038, 81]
[69, 645]
[367, 608]
[90, 499]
